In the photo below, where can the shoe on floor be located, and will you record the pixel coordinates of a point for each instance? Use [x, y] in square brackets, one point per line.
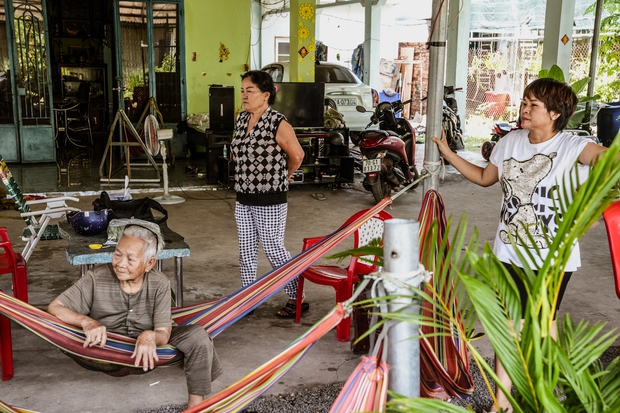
[289, 310]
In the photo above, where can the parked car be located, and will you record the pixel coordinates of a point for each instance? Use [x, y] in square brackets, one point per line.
[343, 90]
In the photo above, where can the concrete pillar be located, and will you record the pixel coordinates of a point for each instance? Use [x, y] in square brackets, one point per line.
[558, 40]
[372, 46]
[255, 62]
[302, 27]
[457, 52]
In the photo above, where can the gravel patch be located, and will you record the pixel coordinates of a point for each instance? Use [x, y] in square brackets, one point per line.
[319, 399]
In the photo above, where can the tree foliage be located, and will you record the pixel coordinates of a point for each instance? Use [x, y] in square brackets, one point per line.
[609, 49]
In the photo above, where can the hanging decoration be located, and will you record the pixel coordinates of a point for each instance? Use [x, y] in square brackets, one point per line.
[224, 52]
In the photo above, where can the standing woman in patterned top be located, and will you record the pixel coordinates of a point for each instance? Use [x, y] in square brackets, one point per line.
[266, 153]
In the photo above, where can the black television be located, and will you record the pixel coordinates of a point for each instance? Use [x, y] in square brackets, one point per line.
[303, 103]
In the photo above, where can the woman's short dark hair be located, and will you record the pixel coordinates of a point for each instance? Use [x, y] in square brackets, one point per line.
[263, 81]
[557, 97]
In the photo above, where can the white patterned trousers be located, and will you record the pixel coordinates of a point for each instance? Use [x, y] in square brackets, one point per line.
[264, 224]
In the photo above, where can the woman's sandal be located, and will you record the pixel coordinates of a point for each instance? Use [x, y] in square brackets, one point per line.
[289, 310]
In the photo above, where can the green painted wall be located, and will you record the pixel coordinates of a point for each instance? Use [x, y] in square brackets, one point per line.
[207, 23]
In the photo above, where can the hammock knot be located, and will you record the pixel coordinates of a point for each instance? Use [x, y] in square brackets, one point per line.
[396, 281]
[437, 167]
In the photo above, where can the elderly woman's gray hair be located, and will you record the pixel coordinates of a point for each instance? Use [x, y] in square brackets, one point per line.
[152, 248]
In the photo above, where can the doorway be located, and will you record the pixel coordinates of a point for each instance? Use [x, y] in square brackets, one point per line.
[150, 58]
[26, 104]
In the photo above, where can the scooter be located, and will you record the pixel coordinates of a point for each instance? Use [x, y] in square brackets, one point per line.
[451, 122]
[387, 153]
[500, 129]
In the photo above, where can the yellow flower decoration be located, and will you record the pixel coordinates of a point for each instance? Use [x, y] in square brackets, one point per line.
[311, 47]
[299, 59]
[301, 24]
[300, 41]
[300, 79]
[303, 32]
[306, 11]
[312, 73]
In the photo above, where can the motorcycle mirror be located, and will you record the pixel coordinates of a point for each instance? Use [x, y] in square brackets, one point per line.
[360, 108]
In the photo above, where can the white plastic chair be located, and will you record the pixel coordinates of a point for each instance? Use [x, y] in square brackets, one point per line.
[38, 225]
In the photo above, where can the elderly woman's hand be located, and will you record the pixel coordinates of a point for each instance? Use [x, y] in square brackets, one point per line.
[145, 352]
[96, 334]
[146, 347]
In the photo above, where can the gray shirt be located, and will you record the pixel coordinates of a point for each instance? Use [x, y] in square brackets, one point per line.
[99, 295]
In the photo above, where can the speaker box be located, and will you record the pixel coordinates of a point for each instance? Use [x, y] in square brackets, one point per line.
[212, 164]
[222, 108]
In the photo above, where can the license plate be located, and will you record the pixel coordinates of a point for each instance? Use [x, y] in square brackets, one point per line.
[346, 101]
[371, 165]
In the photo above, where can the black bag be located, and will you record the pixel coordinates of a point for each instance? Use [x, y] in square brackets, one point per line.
[140, 208]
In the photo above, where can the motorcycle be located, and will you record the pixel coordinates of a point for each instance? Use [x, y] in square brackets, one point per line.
[500, 129]
[387, 153]
[451, 122]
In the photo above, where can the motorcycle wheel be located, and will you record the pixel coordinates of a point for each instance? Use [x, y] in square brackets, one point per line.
[380, 188]
[486, 149]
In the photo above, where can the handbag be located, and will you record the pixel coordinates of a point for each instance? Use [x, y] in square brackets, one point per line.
[141, 208]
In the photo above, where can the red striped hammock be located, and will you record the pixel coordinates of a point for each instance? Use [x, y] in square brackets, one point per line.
[367, 385]
[214, 316]
[366, 388]
[5, 408]
[444, 360]
[237, 396]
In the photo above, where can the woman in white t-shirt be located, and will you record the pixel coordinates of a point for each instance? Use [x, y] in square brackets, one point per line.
[531, 164]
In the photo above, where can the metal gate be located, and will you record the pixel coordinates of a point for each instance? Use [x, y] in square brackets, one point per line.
[31, 87]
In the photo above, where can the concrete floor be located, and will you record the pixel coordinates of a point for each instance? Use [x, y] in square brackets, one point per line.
[47, 381]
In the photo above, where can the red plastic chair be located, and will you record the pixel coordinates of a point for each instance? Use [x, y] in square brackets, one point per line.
[6, 348]
[612, 222]
[14, 264]
[342, 279]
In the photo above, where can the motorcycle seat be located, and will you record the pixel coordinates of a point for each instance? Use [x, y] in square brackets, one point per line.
[504, 127]
[376, 134]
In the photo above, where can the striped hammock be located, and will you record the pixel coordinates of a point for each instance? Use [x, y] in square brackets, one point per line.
[214, 316]
[444, 360]
[235, 397]
[5, 408]
[366, 388]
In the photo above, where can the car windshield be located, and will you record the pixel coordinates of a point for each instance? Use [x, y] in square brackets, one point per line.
[333, 74]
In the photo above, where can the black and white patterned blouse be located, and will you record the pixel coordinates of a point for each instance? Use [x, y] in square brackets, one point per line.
[260, 163]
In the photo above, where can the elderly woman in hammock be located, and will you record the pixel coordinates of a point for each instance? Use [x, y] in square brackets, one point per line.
[130, 298]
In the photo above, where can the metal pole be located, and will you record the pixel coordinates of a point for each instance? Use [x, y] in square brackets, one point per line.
[436, 80]
[400, 254]
[594, 55]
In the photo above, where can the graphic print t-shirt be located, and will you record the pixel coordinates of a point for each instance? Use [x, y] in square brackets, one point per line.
[532, 177]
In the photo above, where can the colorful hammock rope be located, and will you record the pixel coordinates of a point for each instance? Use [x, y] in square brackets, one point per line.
[5, 408]
[214, 316]
[444, 360]
[237, 396]
[365, 389]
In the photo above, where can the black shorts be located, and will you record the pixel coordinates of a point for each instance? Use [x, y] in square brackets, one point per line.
[523, 293]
